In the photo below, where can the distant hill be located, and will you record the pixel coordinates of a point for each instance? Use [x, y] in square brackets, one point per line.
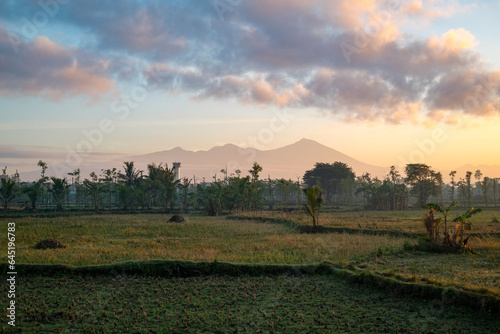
[290, 161]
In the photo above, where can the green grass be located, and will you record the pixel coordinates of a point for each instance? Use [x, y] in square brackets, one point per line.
[404, 221]
[134, 303]
[478, 272]
[222, 304]
[103, 239]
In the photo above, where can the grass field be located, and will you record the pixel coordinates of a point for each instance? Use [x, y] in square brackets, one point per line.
[106, 239]
[329, 304]
[319, 304]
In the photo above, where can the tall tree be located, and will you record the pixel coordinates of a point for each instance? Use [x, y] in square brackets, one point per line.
[453, 184]
[128, 188]
[254, 171]
[477, 175]
[131, 175]
[163, 184]
[109, 178]
[329, 177]
[34, 191]
[44, 167]
[93, 188]
[485, 185]
[255, 187]
[423, 181]
[75, 184]
[494, 187]
[468, 184]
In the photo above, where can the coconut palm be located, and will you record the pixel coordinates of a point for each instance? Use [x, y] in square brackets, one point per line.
[59, 190]
[93, 188]
[7, 193]
[34, 191]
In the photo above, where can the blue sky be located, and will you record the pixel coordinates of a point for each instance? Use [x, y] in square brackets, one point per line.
[373, 79]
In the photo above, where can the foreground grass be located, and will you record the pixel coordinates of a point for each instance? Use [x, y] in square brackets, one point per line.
[403, 221]
[478, 272]
[104, 239]
[222, 304]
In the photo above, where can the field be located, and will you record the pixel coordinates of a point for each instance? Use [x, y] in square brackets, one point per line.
[373, 252]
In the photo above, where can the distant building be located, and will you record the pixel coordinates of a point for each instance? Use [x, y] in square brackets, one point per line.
[177, 170]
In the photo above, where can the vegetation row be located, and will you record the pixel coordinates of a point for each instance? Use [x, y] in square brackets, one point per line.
[158, 189]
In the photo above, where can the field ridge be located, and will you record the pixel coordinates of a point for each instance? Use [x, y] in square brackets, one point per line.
[166, 268]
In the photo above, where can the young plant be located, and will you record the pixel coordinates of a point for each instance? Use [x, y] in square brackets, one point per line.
[313, 203]
[462, 223]
[433, 224]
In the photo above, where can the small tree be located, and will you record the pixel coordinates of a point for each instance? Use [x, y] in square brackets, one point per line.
[462, 223]
[432, 224]
[455, 240]
[313, 203]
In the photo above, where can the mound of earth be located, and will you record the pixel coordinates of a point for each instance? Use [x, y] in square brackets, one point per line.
[49, 243]
[176, 219]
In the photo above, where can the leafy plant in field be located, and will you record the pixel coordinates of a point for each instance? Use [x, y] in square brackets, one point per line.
[313, 203]
[462, 223]
[456, 238]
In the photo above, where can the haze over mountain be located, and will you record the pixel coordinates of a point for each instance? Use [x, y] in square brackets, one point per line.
[289, 162]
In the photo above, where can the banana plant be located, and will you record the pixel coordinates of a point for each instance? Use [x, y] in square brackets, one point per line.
[462, 223]
[444, 212]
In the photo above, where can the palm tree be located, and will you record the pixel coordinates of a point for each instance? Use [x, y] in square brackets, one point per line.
[468, 176]
[485, 185]
[313, 203]
[131, 174]
[452, 184]
[494, 186]
[163, 183]
[128, 194]
[7, 191]
[59, 189]
[34, 191]
[94, 189]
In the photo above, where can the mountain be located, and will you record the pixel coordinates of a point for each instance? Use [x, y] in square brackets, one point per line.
[290, 161]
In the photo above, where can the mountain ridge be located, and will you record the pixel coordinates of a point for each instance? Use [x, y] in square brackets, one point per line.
[289, 162]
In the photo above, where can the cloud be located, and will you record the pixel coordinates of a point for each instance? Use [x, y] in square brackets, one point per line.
[433, 9]
[45, 68]
[350, 58]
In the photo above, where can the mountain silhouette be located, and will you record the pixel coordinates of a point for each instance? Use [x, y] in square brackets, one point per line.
[288, 162]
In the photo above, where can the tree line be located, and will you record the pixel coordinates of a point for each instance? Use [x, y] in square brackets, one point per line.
[156, 188]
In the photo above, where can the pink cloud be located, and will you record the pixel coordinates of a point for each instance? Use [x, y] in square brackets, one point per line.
[44, 68]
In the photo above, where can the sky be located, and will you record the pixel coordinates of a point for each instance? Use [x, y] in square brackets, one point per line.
[386, 82]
